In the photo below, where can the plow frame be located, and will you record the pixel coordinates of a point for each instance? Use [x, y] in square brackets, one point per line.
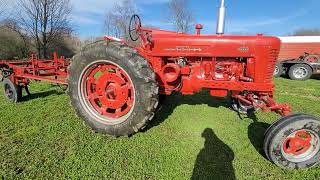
[22, 71]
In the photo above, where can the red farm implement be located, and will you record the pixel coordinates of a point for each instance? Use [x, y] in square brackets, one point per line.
[17, 74]
[115, 87]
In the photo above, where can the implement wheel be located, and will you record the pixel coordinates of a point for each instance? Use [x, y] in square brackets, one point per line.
[293, 142]
[12, 92]
[112, 88]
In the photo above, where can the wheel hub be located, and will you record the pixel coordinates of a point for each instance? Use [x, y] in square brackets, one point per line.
[300, 72]
[300, 146]
[8, 91]
[109, 90]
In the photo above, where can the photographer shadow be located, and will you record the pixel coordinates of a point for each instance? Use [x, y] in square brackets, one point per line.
[215, 159]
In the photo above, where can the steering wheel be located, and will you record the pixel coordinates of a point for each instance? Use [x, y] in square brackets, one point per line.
[134, 27]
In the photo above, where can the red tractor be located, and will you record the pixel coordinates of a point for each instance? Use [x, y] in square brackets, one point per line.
[115, 87]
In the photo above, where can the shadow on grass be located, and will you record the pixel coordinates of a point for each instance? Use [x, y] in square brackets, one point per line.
[169, 103]
[256, 133]
[256, 129]
[41, 95]
[215, 159]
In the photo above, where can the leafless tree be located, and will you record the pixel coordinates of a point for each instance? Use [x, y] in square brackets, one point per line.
[12, 45]
[44, 21]
[180, 15]
[13, 26]
[307, 32]
[117, 19]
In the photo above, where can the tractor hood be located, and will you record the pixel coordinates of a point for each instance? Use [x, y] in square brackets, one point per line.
[168, 43]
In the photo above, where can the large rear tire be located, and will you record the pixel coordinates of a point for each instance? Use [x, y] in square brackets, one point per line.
[293, 142]
[112, 88]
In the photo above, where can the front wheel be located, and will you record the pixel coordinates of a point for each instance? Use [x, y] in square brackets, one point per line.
[112, 88]
[293, 142]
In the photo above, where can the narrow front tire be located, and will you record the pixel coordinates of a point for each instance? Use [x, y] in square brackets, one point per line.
[293, 142]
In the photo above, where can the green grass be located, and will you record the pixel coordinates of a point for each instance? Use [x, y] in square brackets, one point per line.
[191, 135]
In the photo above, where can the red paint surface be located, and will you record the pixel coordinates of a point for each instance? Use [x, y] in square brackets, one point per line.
[215, 62]
[54, 71]
[219, 63]
[110, 90]
[298, 144]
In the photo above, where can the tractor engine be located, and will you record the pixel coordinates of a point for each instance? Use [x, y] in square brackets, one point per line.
[189, 63]
[222, 64]
[186, 69]
[228, 70]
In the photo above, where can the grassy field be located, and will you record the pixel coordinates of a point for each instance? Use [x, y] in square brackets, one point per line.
[42, 137]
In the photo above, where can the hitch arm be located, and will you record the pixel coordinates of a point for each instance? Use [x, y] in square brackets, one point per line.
[282, 109]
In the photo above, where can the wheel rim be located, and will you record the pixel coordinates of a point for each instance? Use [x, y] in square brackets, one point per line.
[300, 146]
[107, 92]
[8, 91]
[300, 72]
[276, 70]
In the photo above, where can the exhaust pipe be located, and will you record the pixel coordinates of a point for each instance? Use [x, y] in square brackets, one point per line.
[221, 18]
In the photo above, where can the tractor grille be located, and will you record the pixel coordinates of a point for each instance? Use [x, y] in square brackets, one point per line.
[272, 60]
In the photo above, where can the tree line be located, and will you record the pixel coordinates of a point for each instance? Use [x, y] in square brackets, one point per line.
[40, 26]
[178, 14]
[45, 26]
